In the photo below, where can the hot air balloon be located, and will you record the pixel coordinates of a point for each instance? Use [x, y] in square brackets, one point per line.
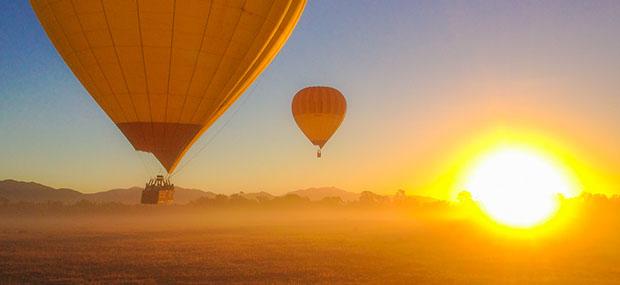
[165, 70]
[318, 112]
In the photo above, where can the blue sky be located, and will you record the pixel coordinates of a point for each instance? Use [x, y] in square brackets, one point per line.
[421, 79]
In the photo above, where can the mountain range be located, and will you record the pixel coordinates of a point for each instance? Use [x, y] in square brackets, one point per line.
[15, 191]
[316, 194]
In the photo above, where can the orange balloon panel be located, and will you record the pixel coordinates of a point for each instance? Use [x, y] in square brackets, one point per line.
[165, 70]
[319, 111]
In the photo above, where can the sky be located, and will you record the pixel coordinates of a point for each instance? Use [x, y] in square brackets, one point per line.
[424, 81]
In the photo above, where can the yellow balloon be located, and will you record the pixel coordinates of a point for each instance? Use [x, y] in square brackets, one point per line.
[319, 111]
[165, 70]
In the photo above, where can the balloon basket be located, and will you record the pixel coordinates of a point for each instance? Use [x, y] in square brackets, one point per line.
[158, 191]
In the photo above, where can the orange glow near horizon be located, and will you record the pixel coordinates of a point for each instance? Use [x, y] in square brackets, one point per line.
[518, 186]
[517, 177]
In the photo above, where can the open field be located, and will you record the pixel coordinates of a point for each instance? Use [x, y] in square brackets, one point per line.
[303, 248]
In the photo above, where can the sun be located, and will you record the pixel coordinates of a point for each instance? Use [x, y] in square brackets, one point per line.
[518, 186]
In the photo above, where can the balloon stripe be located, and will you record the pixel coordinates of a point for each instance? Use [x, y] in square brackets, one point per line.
[162, 98]
[318, 111]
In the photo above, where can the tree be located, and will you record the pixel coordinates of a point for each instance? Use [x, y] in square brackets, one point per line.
[464, 197]
[400, 196]
[332, 201]
[371, 198]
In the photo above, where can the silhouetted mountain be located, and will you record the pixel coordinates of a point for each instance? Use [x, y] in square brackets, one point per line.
[184, 195]
[16, 191]
[316, 194]
[258, 196]
[125, 196]
[132, 195]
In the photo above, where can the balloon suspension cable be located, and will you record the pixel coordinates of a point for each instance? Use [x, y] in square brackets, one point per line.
[210, 140]
[147, 170]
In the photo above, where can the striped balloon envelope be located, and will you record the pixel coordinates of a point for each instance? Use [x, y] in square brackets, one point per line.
[318, 112]
[165, 70]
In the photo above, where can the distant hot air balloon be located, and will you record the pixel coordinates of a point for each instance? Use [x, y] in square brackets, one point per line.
[165, 70]
[319, 111]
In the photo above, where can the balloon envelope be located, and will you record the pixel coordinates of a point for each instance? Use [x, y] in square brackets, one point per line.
[165, 70]
[319, 111]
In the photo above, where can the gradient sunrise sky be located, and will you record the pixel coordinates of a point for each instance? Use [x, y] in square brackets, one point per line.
[423, 79]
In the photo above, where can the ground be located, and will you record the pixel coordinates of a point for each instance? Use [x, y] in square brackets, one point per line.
[255, 249]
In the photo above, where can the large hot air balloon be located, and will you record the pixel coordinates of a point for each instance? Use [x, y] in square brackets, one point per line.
[165, 70]
[319, 111]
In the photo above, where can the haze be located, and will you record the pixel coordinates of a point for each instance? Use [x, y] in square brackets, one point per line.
[388, 142]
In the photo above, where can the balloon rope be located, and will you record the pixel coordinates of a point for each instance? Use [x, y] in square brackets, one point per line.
[241, 104]
[146, 169]
[151, 166]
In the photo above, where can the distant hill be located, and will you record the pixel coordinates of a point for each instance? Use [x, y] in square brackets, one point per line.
[258, 196]
[35, 192]
[126, 196]
[316, 194]
[132, 195]
[184, 195]
[16, 191]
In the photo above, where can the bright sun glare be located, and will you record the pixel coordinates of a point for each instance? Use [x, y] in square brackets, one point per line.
[518, 186]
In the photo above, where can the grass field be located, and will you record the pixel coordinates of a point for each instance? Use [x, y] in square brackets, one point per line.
[255, 248]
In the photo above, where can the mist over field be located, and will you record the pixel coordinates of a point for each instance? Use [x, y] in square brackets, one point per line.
[309, 142]
[229, 239]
